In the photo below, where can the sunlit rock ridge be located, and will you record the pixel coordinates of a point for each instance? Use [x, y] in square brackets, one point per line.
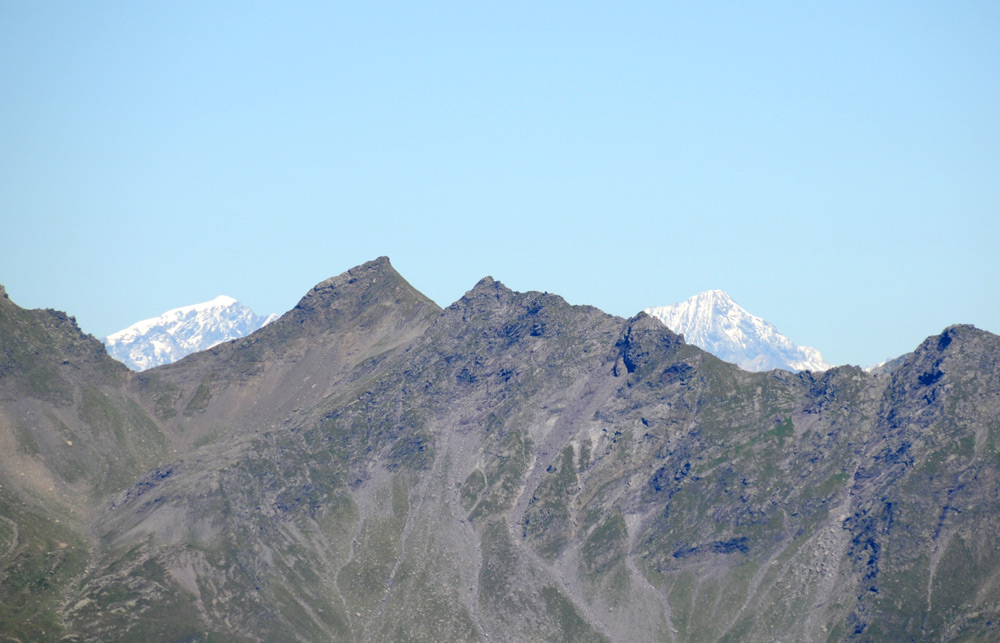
[182, 331]
[714, 322]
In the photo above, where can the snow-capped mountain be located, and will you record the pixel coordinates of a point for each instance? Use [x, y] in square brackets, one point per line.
[714, 322]
[183, 331]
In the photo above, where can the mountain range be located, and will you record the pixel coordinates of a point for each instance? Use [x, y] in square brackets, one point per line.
[182, 331]
[714, 322]
[710, 320]
[371, 467]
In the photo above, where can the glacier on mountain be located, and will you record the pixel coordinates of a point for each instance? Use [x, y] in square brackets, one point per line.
[714, 322]
[182, 331]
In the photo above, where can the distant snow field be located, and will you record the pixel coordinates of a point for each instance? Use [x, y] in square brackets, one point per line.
[714, 322]
[182, 331]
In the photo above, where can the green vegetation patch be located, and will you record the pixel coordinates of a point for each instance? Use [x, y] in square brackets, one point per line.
[26, 444]
[606, 545]
[199, 401]
[103, 416]
[547, 525]
[423, 604]
[39, 558]
[571, 627]
[506, 467]
[365, 579]
[165, 401]
[474, 485]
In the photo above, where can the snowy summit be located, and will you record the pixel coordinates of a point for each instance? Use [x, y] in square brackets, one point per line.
[182, 331]
[714, 322]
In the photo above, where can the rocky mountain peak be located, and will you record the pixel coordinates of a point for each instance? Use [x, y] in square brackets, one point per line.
[956, 331]
[485, 298]
[644, 339]
[43, 352]
[356, 282]
[490, 301]
[957, 349]
[363, 294]
[489, 287]
[956, 341]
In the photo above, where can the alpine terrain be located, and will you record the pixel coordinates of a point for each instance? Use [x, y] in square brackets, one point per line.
[370, 467]
[714, 322]
[182, 331]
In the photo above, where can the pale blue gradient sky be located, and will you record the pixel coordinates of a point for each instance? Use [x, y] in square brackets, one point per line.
[835, 167]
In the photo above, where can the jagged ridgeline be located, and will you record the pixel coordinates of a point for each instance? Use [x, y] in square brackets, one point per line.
[370, 467]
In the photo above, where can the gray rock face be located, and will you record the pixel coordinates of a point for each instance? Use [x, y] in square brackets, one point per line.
[182, 331]
[888, 366]
[513, 468]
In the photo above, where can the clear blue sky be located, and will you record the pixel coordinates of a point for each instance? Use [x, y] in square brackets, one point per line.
[834, 166]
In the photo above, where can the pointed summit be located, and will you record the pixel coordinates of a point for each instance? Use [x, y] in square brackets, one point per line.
[487, 287]
[360, 292]
[714, 322]
[374, 269]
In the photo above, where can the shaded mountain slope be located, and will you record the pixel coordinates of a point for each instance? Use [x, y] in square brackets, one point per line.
[69, 437]
[515, 468]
